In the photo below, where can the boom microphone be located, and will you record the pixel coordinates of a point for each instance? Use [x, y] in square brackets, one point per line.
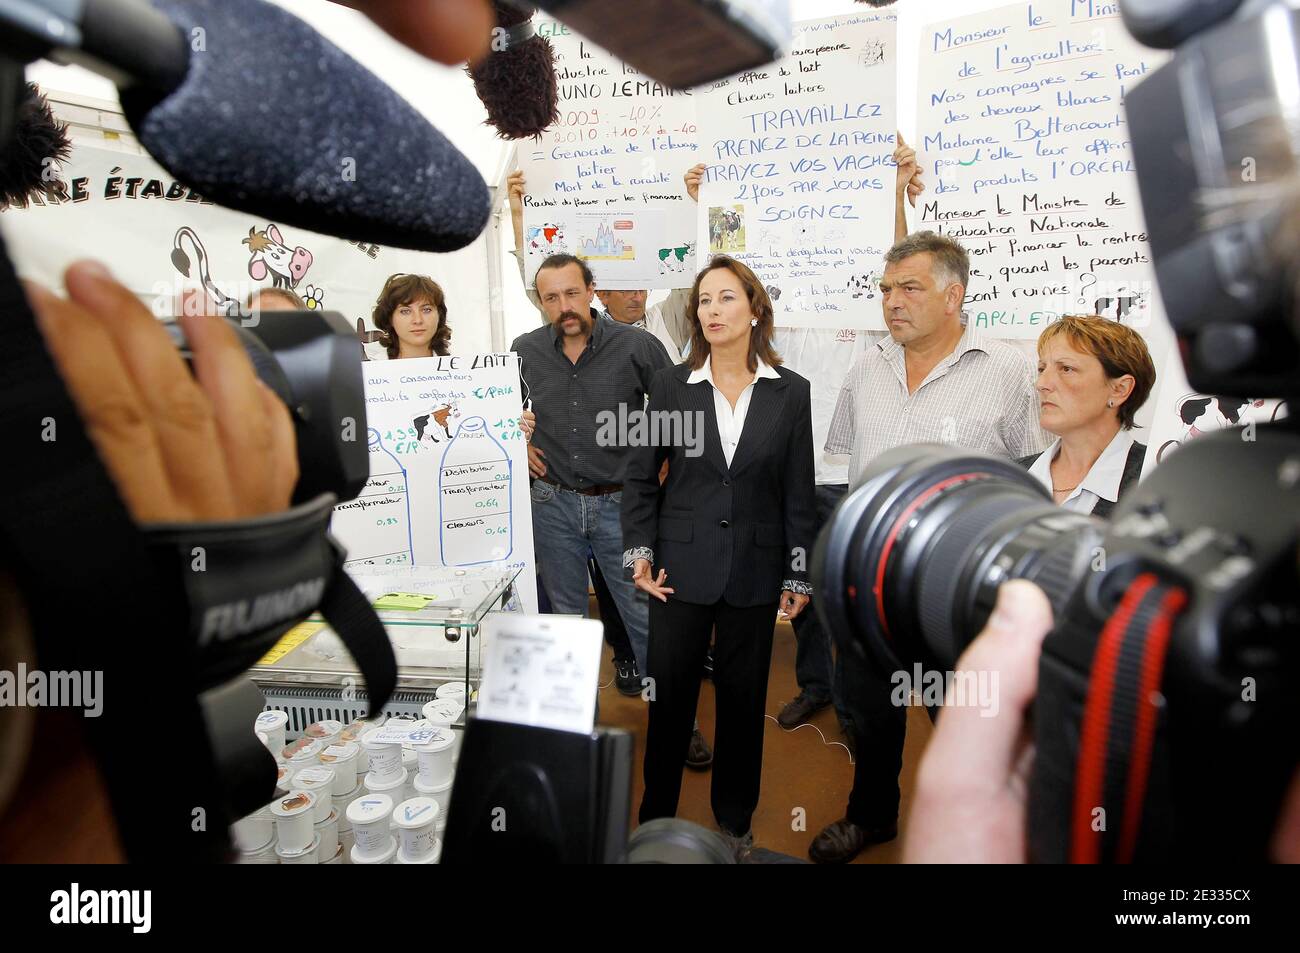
[253, 108]
[516, 80]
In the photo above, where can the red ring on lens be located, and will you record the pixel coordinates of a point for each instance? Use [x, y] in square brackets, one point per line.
[887, 549]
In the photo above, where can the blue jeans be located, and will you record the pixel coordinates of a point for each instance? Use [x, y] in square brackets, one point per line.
[565, 524]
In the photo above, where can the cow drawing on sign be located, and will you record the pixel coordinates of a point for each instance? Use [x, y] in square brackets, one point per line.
[270, 255]
[443, 418]
[182, 263]
[674, 259]
[546, 238]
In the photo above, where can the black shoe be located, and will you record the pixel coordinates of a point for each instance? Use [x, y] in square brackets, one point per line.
[626, 677]
[796, 712]
[708, 664]
[840, 842]
[699, 756]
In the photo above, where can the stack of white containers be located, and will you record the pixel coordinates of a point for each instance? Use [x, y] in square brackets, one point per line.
[372, 792]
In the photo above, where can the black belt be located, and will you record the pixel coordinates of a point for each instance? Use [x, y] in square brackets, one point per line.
[597, 489]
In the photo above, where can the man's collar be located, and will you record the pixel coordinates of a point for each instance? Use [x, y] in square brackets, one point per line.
[970, 340]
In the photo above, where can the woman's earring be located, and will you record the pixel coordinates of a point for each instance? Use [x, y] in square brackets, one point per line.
[1110, 403]
[753, 322]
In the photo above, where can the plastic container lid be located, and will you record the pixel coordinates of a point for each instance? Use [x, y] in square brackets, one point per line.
[356, 729]
[433, 789]
[430, 858]
[340, 752]
[385, 857]
[451, 690]
[271, 721]
[443, 738]
[293, 804]
[337, 858]
[315, 778]
[324, 729]
[304, 749]
[369, 809]
[416, 812]
[444, 711]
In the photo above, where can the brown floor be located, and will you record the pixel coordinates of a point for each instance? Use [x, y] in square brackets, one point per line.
[800, 770]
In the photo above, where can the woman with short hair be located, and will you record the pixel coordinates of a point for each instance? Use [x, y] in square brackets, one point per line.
[1094, 375]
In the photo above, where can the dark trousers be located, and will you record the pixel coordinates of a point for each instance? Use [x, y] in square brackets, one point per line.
[742, 656]
[818, 676]
[879, 730]
[615, 633]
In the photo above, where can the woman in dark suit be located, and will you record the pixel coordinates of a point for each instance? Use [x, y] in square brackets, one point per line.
[1094, 375]
[731, 528]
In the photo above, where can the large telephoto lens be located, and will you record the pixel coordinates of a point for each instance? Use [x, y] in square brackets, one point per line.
[908, 567]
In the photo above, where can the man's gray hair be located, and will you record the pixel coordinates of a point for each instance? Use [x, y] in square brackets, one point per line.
[949, 262]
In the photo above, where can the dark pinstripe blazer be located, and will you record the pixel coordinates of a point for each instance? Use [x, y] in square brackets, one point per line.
[741, 532]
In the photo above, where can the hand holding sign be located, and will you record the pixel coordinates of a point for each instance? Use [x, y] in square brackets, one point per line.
[693, 176]
[909, 173]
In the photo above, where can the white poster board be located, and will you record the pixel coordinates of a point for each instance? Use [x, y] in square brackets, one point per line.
[1025, 145]
[800, 184]
[123, 209]
[448, 480]
[605, 182]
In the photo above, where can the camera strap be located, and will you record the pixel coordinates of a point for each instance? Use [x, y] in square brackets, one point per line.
[1120, 716]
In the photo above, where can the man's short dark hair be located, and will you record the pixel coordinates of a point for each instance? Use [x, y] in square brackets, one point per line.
[563, 261]
[949, 260]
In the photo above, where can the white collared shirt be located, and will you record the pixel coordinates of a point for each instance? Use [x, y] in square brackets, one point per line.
[1102, 480]
[731, 422]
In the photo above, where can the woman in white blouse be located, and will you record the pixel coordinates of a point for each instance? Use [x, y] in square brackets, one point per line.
[1094, 375]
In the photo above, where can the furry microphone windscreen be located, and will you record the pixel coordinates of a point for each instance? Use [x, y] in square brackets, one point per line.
[515, 81]
[39, 143]
[274, 120]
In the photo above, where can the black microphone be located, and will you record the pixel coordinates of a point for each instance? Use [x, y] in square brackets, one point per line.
[253, 108]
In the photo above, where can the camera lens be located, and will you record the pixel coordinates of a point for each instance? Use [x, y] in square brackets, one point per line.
[909, 565]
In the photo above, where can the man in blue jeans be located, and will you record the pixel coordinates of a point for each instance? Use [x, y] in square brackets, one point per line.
[581, 374]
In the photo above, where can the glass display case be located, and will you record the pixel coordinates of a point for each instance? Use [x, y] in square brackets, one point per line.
[434, 618]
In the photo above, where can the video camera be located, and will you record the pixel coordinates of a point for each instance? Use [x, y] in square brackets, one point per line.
[1164, 701]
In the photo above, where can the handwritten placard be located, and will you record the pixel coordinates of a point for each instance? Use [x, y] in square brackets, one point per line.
[1025, 141]
[605, 182]
[448, 469]
[800, 184]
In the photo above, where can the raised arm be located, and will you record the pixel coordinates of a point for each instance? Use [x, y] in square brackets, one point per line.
[515, 192]
[908, 184]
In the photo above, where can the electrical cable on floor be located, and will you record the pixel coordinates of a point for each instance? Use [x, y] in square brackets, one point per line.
[808, 724]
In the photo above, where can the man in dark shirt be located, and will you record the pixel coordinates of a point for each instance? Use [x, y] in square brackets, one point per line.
[583, 376]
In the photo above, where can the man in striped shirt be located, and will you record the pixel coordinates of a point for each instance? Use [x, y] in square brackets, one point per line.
[932, 380]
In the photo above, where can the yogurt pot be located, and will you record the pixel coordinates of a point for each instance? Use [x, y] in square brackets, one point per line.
[273, 724]
[416, 820]
[343, 801]
[294, 816]
[254, 832]
[385, 759]
[384, 857]
[327, 731]
[339, 854]
[303, 753]
[454, 690]
[345, 844]
[434, 757]
[432, 857]
[308, 855]
[283, 780]
[446, 712]
[439, 792]
[368, 818]
[328, 833]
[343, 758]
[264, 856]
[320, 782]
[354, 731]
[394, 788]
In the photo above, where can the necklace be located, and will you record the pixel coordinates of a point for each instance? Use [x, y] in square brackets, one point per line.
[1065, 489]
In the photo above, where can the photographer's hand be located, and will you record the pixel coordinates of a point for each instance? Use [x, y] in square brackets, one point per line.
[972, 784]
[180, 447]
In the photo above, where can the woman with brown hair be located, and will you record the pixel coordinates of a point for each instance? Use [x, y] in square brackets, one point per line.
[411, 313]
[731, 525]
[1094, 375]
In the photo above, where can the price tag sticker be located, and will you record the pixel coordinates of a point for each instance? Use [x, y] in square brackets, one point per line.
[404, 601]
